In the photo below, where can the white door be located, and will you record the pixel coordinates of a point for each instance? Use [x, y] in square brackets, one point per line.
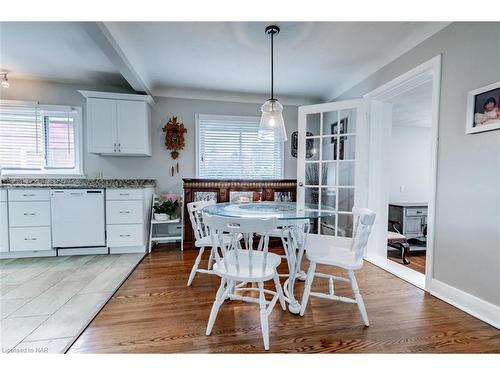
[332, 163]
[133, 127]
[102, 121]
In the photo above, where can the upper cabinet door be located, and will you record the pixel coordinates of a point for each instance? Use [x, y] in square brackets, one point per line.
[101, 118]
[133, 124]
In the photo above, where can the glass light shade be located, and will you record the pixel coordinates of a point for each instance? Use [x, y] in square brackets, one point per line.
[5, 83]
[272, 125]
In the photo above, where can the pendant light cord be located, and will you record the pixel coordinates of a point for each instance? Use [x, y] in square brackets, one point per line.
[272, 66]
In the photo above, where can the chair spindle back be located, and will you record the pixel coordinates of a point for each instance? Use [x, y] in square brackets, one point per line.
[195, 216]
[222, 228]
[363, 223]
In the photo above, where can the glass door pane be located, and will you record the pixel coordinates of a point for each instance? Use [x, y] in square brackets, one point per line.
[327, 170]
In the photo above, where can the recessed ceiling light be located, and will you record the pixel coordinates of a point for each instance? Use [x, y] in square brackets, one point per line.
[4, 81]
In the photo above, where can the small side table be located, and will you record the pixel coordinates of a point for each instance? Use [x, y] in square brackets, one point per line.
[174, 232]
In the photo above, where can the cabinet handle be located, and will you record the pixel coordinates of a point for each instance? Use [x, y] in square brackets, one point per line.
[114, 150]
[124, 212]
[419, 212]
[29, 214]
[119, 147]
[124, 235]
[28, 195]
[124, 193]
[30, 239]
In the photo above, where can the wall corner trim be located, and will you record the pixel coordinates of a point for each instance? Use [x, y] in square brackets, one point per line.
[478, 308]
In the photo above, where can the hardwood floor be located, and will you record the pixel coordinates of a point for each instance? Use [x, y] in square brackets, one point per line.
[417, 260]
[154, 312]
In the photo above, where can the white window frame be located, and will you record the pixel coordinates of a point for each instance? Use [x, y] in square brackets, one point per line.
[78, 171]
[199, 117]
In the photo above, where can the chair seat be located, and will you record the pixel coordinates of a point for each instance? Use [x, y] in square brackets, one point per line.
[248, 271]
[207, 241]
[394, 236]
[278, 233]
[327, 250]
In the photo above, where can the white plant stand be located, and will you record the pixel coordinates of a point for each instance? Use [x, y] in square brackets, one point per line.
[178, 222]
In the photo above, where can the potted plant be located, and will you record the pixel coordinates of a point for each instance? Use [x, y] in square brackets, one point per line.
[167, 207]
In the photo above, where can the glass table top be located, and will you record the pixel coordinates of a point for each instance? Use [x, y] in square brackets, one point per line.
[281, 210]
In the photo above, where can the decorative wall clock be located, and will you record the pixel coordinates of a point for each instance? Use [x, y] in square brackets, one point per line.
[174, 136]
[174, 139]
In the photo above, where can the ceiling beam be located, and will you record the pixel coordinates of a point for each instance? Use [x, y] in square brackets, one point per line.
[110, 47]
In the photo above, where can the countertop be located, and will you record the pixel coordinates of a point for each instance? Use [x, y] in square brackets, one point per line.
[76, 183]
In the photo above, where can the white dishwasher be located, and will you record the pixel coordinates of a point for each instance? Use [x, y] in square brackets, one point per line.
[77, 218]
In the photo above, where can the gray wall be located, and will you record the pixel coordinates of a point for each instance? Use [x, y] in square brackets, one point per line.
[409, 164]
[158, 166]
[467, 247]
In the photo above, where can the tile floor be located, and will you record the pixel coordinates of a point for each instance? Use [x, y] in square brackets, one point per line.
[46, 302]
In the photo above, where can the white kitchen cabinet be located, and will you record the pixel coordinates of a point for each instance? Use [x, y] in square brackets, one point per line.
[134, 135]
[127, 219]
[4, 223]
[30, 239]
[29, 221]
[118, 124]
[29, 214]
[125, 235]
[124, 212]
[101, 120]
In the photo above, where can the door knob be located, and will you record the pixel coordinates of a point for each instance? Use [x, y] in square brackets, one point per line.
[301, 184]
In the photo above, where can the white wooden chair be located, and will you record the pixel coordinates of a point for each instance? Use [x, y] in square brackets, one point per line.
[237, 267]
[326, 250]
[202, 239]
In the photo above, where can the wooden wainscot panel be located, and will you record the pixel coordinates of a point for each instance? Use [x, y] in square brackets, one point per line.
[220, 190]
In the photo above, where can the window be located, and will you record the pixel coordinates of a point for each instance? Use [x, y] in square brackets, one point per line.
[228, 148]
[37, 139]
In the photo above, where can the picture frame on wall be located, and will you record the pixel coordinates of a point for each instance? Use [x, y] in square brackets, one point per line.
[483, 113]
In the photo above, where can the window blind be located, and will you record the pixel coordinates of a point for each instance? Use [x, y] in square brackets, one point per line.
[59, 140]
[36, 138]
[228, 147]
[21, 140]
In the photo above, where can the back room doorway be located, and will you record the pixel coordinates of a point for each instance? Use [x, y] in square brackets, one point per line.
[405, 173]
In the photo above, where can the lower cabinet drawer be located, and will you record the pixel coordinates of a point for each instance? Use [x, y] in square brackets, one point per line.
[124, 212]
[29, 214]
[125, 235]
[30, 239]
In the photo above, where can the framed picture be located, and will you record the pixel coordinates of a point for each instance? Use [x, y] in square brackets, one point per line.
[483, 113]
[338, 142]
[309, 144]
[343, 127]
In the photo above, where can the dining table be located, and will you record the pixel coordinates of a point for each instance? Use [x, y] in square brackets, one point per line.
[295, 223]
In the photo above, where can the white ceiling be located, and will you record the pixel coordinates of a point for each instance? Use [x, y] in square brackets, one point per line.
[317, 60]
[54, 51]
[413, 108]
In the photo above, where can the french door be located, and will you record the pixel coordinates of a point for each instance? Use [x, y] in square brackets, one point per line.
[332, 170]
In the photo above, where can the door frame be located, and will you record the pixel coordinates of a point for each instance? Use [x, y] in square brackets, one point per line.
[403, 83]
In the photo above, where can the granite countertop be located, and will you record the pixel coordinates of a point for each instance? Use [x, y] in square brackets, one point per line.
[76, 183]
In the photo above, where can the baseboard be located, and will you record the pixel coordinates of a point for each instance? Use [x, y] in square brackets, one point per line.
[478, 308]
[28, 254]
[127, 249]
[83, 251]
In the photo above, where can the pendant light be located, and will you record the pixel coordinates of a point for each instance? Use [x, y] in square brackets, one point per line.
[272, 126]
